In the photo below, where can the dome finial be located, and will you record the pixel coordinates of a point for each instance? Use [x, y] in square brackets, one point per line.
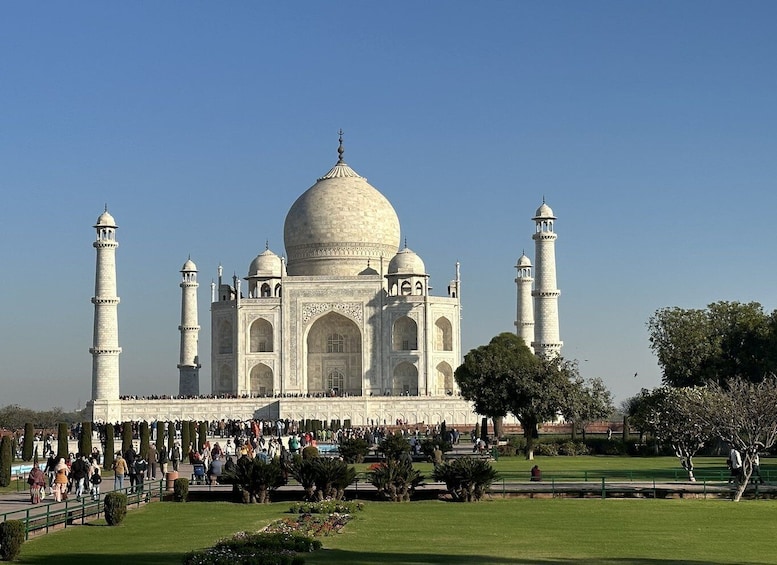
[405, 243]
[106, 207]
[266, 244]
[340, 149]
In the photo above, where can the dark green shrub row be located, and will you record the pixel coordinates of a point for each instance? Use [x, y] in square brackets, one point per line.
[11, 539]
[256, 549]
[115, 508]
[326, 507]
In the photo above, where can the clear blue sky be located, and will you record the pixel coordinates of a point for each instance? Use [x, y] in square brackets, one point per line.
[649, 127]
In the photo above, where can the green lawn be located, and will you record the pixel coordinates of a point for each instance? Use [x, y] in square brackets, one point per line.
[522, 531]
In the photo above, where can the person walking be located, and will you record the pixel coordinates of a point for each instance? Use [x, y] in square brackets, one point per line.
[119, 470]
[60, 480]
[735, 459]
[37, 482]
[152, 461]
[94, 480]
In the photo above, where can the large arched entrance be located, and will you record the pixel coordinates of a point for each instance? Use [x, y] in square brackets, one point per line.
[334, 356]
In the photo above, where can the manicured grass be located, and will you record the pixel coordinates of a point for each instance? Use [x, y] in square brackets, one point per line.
[522, 531]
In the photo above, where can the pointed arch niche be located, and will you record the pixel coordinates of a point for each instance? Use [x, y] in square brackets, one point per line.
[261, 380]
[404, 381]
[405, 334]
[225, 337]
[334, 356]
[444, 379]
[443, 335]
[261, 337]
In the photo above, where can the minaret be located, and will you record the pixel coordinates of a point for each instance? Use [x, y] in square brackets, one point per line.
[189, 367]
[105, 348]
[546, 335]
[524, 320]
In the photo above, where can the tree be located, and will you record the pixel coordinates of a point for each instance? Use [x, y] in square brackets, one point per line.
[725, 340]
[62, 441]
[29, 441]
[585, 402]
[742, 414]
[672, 415]
[6, 459]
[85, 440]
[109, 452]
[145, 439]
[485, 375]
[505, 376]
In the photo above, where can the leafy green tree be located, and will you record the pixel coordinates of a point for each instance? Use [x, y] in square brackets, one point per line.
[505, 376]
[723, 341]
[742, 414]
[586, 402]
[673, 416]
[394, 446]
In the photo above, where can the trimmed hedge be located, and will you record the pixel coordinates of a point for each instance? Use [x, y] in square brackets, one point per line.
[6, 458]
[115, 508]
[11, 539]
[181, 489]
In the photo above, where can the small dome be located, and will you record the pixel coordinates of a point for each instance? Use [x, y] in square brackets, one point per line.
[524, 261]
[105, 221]
[544, 212]
[189, 266]
[406, 262]
[266, 264]
[369, 271]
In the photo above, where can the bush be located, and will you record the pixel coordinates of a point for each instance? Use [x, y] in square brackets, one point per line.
[115, 508]
[309, 452]
[353, 450]
[11, 539]
[428, 445]
[109, 451]
[181, 489]
[395, 480]
[546, 448]
[256, 549]
[394, 446]
[326, 507]
[6, 458]
[467, 478]
[254, 478]
[145, 439]
[323, 477]
[603, 446]
[85, 439]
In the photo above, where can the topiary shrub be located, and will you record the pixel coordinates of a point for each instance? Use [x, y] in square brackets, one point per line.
[85, 439]
[29, 441]
[62, 436]
[109, 451]
[145, 439]
[115, 508]
[309, 452]
[6, 458]
[202, 435]
[181, 489]
[11, 539]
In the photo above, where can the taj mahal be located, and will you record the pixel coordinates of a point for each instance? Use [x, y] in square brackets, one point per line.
[344, 326]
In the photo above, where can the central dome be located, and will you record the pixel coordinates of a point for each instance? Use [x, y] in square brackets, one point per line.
[338, 225]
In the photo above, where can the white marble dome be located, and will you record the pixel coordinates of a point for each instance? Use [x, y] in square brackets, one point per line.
[524, 261]
[266, 264]
[406, 262]
[337, 225]
[189, 267]
[105, 220]
[544, 212]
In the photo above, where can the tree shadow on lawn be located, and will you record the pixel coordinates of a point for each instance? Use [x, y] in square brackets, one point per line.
[128, 558]
[369, 558]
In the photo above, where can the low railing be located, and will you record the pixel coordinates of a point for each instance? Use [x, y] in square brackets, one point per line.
[52, 514]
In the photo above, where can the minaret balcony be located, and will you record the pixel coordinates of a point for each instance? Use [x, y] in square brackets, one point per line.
[105, 300]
